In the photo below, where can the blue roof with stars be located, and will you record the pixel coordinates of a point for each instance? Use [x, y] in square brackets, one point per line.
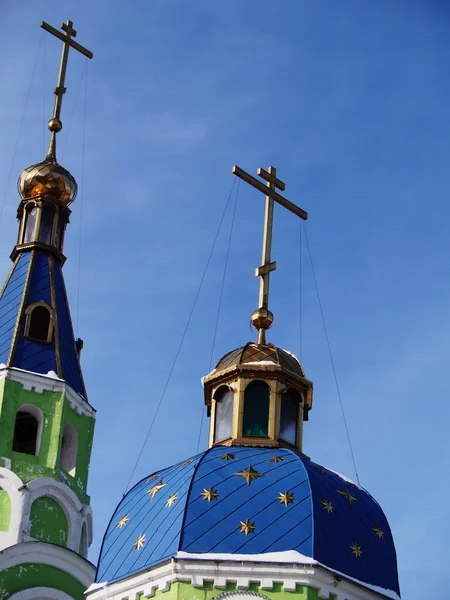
[243, 500]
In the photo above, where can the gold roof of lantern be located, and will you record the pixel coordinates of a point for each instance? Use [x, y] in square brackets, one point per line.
[47, 178]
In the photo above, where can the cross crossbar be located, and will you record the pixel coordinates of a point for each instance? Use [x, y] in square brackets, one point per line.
[259, 185]
[66, 39]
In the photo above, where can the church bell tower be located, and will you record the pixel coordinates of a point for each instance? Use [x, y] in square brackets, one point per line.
[46, 421]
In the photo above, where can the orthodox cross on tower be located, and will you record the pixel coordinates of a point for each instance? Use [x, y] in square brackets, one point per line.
[262, 318]
[55, 123]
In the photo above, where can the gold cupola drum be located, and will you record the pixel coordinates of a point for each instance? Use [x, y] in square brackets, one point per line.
[258, 395]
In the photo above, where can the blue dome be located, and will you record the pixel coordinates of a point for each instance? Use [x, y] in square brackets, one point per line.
[243, 500]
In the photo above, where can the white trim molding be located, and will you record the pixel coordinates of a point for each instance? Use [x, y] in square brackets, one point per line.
[41, 593]
[49, 554]
[49, 383]
[243, 573]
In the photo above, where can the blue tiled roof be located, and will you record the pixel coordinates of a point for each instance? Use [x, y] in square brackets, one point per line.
[32, 278]
[327, 518]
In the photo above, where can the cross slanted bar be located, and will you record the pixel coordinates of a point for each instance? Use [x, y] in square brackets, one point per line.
[55, 123]
[262, 318]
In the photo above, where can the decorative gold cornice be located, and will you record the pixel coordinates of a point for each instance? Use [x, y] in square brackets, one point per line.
[19, 248]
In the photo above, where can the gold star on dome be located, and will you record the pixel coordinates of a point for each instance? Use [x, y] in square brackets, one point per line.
[209, 494]
[327, 506]
[347, 496]
[139, 542]
[286, 498]
[356, 550]
[249, 474]
[247, 527]
[153, 477]
[155, 489]
[171, 500]
[353, 485]
[186, 463]
[378, 532]
[227, 456]
[123, 521]
[276, 459]
[319, 469]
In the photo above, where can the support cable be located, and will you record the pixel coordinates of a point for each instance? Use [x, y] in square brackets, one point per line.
[331, 356]
[180, 345]
[74, 106]
[44, 82]
[300, 291]
[80, 212]
[13, 160]
[213, 345]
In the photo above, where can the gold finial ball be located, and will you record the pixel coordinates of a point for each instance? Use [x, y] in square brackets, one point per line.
[47, 178]
[55, 125]
[262, 318]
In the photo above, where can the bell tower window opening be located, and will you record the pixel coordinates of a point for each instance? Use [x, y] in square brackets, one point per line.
[39, 322]
[289, 416]
[69, 449]
[256, 409]
[30, 223]
[224, 398]
[27, 430]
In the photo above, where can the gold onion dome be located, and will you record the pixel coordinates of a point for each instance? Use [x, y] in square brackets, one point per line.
[264, 355]
[48, 178]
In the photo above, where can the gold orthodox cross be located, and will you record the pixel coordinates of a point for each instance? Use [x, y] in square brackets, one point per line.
[262, 318]
[55, 123]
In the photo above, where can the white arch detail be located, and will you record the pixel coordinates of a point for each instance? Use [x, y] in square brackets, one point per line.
[41, 593]
[22, 497]
[49, 554]
[12, 484]
[76, 512]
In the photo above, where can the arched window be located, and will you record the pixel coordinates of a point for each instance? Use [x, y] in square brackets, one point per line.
[46, 226]
[39, 322]
[83, 548]
[59, 234]
[224, 413]
[256, 409]
[69, 449]
[27, 430]
[30, 223]
[290, 402]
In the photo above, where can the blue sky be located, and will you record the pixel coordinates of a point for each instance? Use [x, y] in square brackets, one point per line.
[349, 100]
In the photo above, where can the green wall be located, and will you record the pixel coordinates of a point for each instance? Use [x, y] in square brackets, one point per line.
[5, 510]
[56, 411]
[48, 521]
[23, 577]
